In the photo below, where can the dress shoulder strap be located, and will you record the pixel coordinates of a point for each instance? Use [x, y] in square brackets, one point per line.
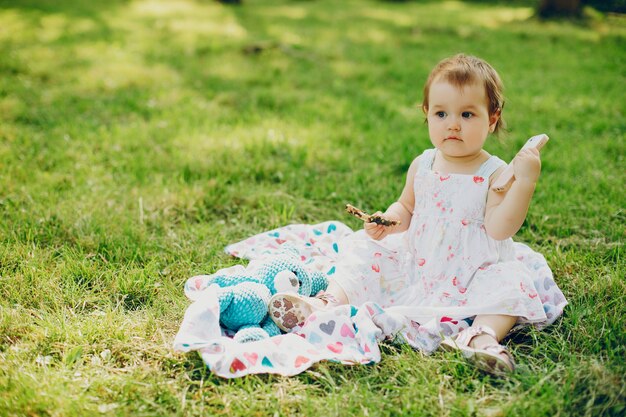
[490, 166]
[426, 160]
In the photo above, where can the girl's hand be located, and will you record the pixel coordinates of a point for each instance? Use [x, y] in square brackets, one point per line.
[376, 231]
[527, 166]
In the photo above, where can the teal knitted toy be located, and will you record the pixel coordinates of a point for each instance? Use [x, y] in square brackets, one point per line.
[244, 298]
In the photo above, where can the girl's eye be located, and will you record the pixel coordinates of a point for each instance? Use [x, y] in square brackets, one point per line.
[440, 114]
[466, 114]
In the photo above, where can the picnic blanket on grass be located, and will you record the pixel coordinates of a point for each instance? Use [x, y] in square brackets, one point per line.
[346, 334]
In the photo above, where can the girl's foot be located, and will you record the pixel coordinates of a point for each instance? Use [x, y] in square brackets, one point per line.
[480, 345]
[289, 310]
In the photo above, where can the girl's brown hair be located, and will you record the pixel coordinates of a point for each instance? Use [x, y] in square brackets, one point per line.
[461, 70]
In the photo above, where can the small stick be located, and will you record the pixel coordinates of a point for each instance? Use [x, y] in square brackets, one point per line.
[369, 218]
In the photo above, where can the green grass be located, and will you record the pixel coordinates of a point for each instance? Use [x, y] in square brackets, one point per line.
[138, 138]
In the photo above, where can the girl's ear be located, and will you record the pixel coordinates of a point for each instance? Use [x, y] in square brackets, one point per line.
[425, 110]
[493, 120]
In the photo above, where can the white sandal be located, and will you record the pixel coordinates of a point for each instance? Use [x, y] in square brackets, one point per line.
[494, 359]
[289, 310]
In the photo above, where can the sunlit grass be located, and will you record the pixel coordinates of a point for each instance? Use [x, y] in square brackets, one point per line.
[138, 138]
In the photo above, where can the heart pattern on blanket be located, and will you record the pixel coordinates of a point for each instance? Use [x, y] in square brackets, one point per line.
[279, 358]
[314, 338]
[237, 366]
[336, 347]
[301, 360]
[251, 357]
[347, 332]
[446, 319]
[328, 328]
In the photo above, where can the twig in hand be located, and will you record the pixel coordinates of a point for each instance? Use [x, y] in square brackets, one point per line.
[370, 218]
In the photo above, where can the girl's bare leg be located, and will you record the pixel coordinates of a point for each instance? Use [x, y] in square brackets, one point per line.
[501, 324]
[337, 292]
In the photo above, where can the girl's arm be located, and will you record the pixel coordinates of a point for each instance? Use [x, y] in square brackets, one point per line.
[401, 210]
[505, 212]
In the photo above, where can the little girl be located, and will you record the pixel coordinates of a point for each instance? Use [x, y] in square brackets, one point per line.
[454, 258]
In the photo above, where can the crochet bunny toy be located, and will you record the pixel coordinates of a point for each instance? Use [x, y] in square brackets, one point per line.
[244, 297]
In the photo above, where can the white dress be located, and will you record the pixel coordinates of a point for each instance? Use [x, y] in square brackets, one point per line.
[444, 269]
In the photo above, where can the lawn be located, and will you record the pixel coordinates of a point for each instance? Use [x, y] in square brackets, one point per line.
[138, 138]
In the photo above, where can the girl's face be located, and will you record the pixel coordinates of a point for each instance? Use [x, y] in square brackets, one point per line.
[458, 118]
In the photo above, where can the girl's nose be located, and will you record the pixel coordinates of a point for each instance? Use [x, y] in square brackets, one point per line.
[453, 123]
